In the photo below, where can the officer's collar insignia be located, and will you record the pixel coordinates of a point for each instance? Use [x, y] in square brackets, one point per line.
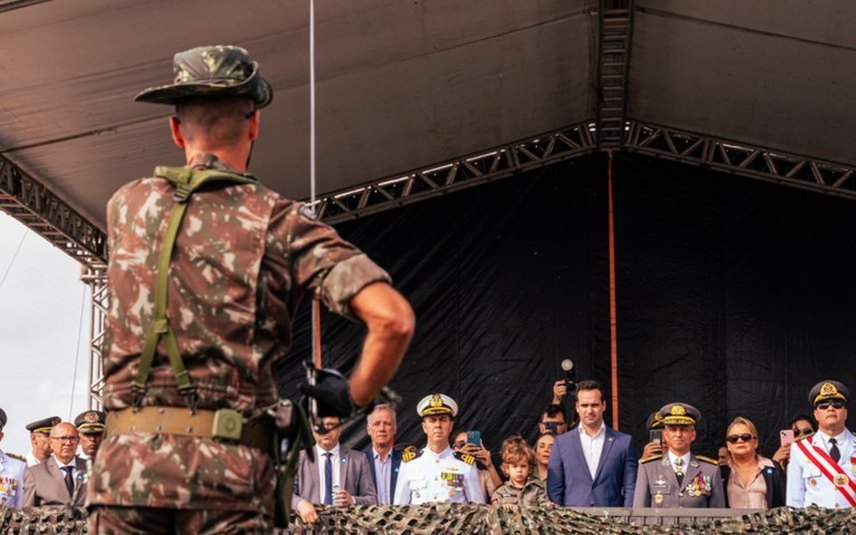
[678, 410]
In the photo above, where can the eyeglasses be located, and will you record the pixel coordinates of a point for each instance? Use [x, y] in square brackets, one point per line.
[66, 439]
[805, 431]
[734, 439]
[834, 403]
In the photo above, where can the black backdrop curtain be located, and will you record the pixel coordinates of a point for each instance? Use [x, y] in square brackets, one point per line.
[733, 295]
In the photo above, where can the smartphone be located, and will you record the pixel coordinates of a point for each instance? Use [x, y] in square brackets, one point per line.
[474, 437]
[786, 436]
[656, 435]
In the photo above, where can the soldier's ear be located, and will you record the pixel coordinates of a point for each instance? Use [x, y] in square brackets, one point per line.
[175, 130]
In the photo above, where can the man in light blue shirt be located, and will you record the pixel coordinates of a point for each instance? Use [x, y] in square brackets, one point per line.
[384, 460]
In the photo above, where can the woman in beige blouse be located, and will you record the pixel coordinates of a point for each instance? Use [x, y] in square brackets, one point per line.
[751, 481]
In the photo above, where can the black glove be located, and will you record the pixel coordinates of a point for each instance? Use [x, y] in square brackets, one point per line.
[332, 392]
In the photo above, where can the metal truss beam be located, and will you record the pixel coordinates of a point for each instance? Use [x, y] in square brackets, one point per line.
[96, 279]
[442, 178]
[744, 159]
[31, 203]
[615, 36]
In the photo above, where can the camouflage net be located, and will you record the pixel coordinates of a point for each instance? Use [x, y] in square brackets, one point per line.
[486, 520]
[476, 520]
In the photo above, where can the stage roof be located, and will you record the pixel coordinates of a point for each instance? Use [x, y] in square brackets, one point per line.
[406, 85]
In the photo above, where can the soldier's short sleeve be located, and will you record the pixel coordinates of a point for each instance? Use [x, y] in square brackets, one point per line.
[318, 259]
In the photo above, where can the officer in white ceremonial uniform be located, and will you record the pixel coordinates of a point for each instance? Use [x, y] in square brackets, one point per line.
[12, 470]
[437, 473]
[822, 470]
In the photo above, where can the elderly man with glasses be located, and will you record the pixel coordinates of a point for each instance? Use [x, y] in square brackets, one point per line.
[59, 480]
[822, 470]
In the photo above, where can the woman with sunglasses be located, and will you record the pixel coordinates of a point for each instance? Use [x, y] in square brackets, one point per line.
[802, 426]
[751, 481]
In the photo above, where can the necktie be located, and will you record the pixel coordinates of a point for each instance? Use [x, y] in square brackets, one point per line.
[833, 451]
[69, 480]
[679, 470]
[328, 479]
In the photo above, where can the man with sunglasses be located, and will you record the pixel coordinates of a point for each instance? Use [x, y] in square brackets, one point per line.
[678, 478]
[822, 468]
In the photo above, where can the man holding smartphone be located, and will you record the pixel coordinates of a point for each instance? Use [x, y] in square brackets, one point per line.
[436, 473]
[822, 468]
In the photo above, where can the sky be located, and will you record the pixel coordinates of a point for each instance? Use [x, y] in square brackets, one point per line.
[42, 333]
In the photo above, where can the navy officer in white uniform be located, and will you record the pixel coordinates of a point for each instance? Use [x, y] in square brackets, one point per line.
[437, 474]
[12, 470]
[822, 470]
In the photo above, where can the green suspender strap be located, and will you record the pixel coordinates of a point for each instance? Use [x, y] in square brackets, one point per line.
[186, 181]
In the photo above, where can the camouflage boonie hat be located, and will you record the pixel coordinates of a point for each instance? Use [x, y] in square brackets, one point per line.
[212, 71]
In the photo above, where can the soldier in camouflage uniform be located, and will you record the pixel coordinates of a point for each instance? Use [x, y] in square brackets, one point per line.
[192, 334]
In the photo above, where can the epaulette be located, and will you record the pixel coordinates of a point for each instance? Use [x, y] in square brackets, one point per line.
[410, 453]
[706, 459]
[14, 456]
[466, 457]
[651, 458]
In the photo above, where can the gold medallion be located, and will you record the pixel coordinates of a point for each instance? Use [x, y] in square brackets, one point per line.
[841, 480]
[658, 499]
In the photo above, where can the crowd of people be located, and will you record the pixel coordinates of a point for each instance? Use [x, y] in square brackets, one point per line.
[577, 462]
[582, 462]
[55, 470]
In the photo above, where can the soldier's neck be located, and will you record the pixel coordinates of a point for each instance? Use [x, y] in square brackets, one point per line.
[438, 447]
[234, 157]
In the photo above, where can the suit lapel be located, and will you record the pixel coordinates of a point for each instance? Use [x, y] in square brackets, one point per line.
[693, 470]
[57, 475]
[343, 467]
[313, 486]
[577, 451]
[370, 456]
[666, 465]
[396, 462]
[608, 441]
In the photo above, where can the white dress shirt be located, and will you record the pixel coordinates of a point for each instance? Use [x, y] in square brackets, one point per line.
[592, 447]
[320, 459]
[685, 458]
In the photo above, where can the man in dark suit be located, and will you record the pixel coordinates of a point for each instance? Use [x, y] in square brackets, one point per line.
[59, 480]
[384, 461]
[592, 465]
[337, 476]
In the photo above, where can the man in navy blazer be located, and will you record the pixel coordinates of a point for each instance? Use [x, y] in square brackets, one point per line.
[592, 465]
[384, 461]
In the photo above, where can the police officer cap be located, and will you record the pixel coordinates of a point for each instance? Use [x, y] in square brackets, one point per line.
[44, 425]
[212, 71]
[679, 413]
[2, 419]
[654, 421]
[90, 422]
[826, 390]
[437, 404]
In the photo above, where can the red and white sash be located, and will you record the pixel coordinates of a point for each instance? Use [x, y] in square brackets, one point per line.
[830, 469]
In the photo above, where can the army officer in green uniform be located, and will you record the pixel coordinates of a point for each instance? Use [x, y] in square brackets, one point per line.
[677, 478]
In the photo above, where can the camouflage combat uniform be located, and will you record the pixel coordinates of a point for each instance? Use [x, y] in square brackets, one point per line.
[244, 257]
[532, 494]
